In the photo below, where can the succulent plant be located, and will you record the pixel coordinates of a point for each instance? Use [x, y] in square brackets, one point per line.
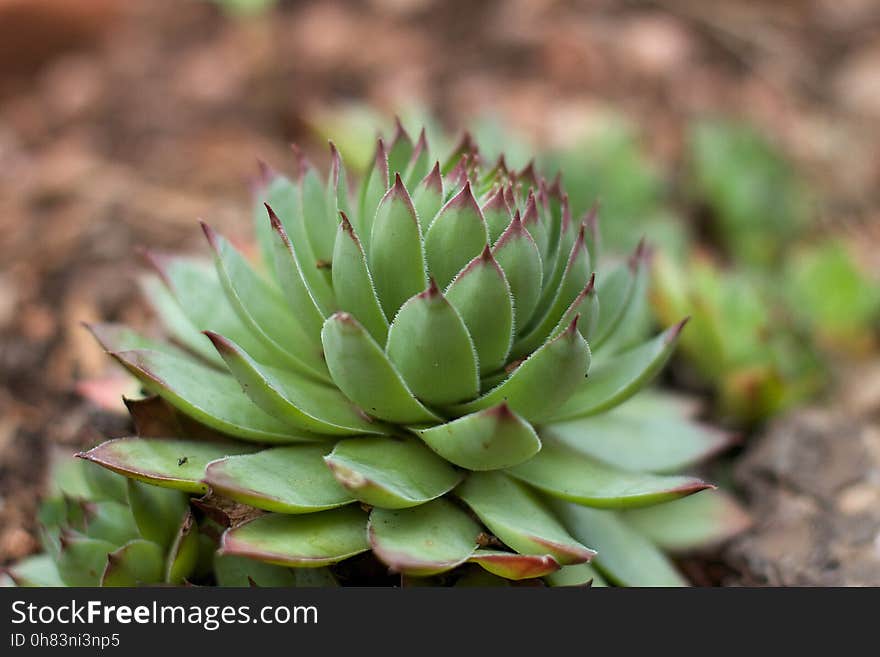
[427, 373]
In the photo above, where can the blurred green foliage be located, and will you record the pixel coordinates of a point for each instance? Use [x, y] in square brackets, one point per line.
[242, 7]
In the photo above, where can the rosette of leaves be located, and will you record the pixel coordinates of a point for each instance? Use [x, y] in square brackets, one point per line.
[424, 370]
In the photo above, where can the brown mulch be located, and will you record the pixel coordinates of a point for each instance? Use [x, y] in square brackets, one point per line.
[122, 121]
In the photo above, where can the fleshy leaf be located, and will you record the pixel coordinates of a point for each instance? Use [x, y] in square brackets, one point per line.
[428, 198]
[564, 473]
[108, 520]
[400, 151]
[617, 379]
[176, 464]
[392, 473]
[425, 540]
[695, 522]
[585, 306]
[481, 295]
[38, 570]
[420, 162]
[82, 560]
[354, 285]
[510, 565]
[183, 556]
[135, 563]
[397, 263]
[456, 236]
[373, 188]
[295, 400]
[497, 214]
[303, 541]
[516, 516]
[263, 310]
[640, 437]
[430, 347]
[616, 291]
[363, 372]
[580, 574]
[156, 511]
[283, 479]
[542, 382]
[625, 557]
[491, 439]
[240, 572]
[518, 256]
[319, 220]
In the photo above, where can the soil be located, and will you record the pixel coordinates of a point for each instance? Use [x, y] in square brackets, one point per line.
[122, 121]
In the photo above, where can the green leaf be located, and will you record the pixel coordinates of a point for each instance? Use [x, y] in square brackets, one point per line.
[574, 278]
[108, 521]
[430, 346]
[363, 372]
[562, 472]
[295, 400]
[533, 223]
[624, 556]
[264, 311]
[586, 307]
[617, 379]
[184, 553]
[420, 162]
[304, 541]
[515, 515]
[497, 214]
[82, 560]
[542, 382]
[354, 285]
[639, 437]
[241, 572]
[199, 294]
[510, 565]
[698, 521]
[38, 570]
[456, 236]
[400, 151]
[395, 256]
[117, 337]
[156, 511]
[283, 479]
[135, 563]
[428, 198]
[104, 485]
[518, 256]
[206, 395]
[485, 440]
[391, 473]
[290, 276]
[616, 292]
[319, 220]
[580, 574]
[178, 464]
[481, 296]
[425, 540]
[373, 188]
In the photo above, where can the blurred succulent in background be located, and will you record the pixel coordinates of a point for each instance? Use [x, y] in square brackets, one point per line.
[245, 7]
[427, 371]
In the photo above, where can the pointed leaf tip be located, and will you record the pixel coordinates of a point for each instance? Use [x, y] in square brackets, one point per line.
[432, 292]
[676, 330]
[210, 234]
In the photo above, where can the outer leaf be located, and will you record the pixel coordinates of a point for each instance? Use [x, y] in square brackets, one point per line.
[319, 220]
[430, 346]
[625, 557]
[564, 473]
[695, 522]
[396, 259]
[214, 399]
[485, 440]
[137, 562]
[580, 574]
[510, 565]
[516, 516]
[425, 540]
[497, 214]
[401, 150]
[109, 521]
[354, 285]
[82, 560]
[420, 161]
[617, 379]
[616, 292]
[481, 296]
[283, 479]
[156, 511]
[520, 259]
[363, 372]
[296, 400]
[638, 437]
[263, 310]
[304, 541]
[391, 473]
[240, 572]
[585, 306]
[373, 188]
[456, 236]
[543, 382]
[176, 464]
